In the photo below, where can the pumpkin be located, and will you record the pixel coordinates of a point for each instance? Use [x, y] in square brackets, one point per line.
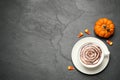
[104, 28]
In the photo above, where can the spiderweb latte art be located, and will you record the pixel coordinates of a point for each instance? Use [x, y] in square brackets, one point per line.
[90, 54]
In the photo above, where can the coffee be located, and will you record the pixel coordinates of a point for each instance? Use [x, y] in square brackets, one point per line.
[90, 53]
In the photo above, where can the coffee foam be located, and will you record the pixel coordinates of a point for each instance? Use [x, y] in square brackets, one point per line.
[90, 54]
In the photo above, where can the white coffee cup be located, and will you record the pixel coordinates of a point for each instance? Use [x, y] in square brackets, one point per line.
[103, 55]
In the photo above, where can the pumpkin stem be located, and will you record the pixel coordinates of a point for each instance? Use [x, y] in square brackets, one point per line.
[104, 27]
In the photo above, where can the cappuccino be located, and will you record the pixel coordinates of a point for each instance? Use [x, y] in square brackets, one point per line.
[90, 53]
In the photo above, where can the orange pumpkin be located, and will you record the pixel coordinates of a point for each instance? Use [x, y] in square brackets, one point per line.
[104, 28]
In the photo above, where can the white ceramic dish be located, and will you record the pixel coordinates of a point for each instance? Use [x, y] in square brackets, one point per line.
[75, 57]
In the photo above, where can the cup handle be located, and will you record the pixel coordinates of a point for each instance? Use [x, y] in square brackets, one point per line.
[107, 53]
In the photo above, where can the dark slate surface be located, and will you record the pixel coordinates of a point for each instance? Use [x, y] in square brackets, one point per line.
[37, 36]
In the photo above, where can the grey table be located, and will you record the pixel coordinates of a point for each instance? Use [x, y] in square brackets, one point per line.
[37, 36]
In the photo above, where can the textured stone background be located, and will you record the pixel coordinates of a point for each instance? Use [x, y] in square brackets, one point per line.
[37, 36]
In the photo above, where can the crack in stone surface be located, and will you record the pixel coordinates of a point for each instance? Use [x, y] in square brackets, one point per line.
[61, 33]
[49, 19]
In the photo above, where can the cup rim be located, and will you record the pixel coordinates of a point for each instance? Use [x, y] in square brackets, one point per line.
[99, 62]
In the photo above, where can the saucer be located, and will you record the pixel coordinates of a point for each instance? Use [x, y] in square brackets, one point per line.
[79, 66]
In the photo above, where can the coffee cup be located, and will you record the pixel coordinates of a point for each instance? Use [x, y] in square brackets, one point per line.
[92, 54]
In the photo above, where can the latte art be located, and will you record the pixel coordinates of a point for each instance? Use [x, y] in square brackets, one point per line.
[90, 54]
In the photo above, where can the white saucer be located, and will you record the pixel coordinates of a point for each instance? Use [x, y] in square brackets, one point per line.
[77, 63]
